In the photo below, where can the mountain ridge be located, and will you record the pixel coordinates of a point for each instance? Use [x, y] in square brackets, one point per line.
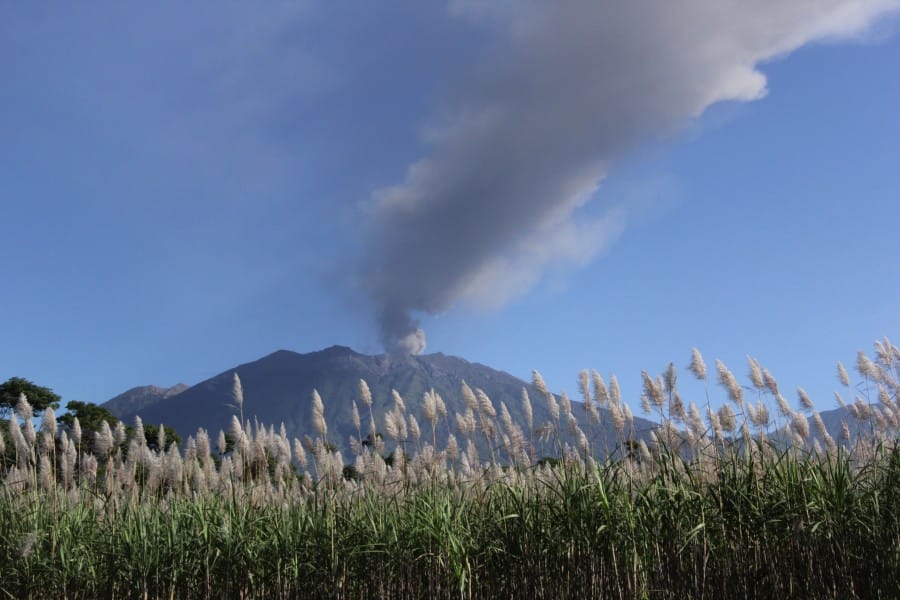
[277, 388]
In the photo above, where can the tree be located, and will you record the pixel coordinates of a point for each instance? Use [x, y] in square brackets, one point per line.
[90, 419]
[40, 398]
[91, 416]
[151, 435]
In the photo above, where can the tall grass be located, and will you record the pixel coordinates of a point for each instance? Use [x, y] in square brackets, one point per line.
[730, 504]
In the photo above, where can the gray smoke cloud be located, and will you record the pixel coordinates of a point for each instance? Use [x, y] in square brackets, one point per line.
[569, 87]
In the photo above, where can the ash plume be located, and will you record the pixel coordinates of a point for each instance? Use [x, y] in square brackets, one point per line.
[568, 87]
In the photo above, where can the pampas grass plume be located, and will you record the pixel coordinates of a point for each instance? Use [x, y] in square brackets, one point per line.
[756, 374]
[805, 401]
[526, 408]
[729, 382]
[23, 408]
[843, 376]
[319, 414]
[364, 393]
[697, 366]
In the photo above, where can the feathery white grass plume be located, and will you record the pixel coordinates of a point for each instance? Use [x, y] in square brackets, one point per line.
[526, 408]
[139, 431]
[697, 366]
[695, 420]
[429, 407]
[615, 394]
[843, 376]
[390, 425]
[592, 412]
[863, 411]
[452, 447]
[750, 411]
[357, 423]
[103, 439]
[23, 409]
[584, 385]
[823, 431]
[462, 422]
[884, 352]
[299, 453]
[203, 448]
[318, 414]
[235, 430]
[645, 404]
[20, 444]
[866, 368]
[583, 443]
[552, 406]
[760, 416]
[439, 404]
[601, 394]
[845, 430]
[565, 404]
[884, 397]
[670, 378]
[484, 403]
[714, 423]
[805, 401]
[48, 422]
[160, 437]
[469, 397]
[538, 381]
[572, 423]
[652, 390]
[89, 468]
[505, 417]
[119, 434]
[784, 409]
[676, 407]
[730, 383]
[414, 430]
[365, 393]
[771, 383]
[839, 400]
[2, 445]
[618, 419]
[629, 416]
[801, 426]
[237, 394]
[756, 374]
[644, 452]
[76, 431]
[373, 430]
[727, 419]
[398, 401]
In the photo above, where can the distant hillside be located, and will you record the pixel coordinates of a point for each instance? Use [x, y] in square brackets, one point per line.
[139, 398]
[278, 389]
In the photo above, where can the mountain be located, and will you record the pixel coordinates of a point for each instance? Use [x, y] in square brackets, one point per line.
[139, 398]
[278, 389]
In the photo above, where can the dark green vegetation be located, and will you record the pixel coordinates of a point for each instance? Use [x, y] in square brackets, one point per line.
[41, 398]
[792, 527]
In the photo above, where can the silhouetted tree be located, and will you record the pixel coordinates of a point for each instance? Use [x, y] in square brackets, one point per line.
[41, 398]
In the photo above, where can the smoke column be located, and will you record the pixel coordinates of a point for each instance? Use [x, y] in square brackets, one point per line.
[569, 87]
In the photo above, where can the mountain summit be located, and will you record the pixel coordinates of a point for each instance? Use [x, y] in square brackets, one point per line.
[278, 389]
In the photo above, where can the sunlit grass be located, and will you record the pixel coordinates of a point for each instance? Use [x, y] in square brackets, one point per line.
[726, 505]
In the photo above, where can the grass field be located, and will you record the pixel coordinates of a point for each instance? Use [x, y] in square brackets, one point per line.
[733, 503]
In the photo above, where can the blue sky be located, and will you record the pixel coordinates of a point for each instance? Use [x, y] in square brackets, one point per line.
[184, 190]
